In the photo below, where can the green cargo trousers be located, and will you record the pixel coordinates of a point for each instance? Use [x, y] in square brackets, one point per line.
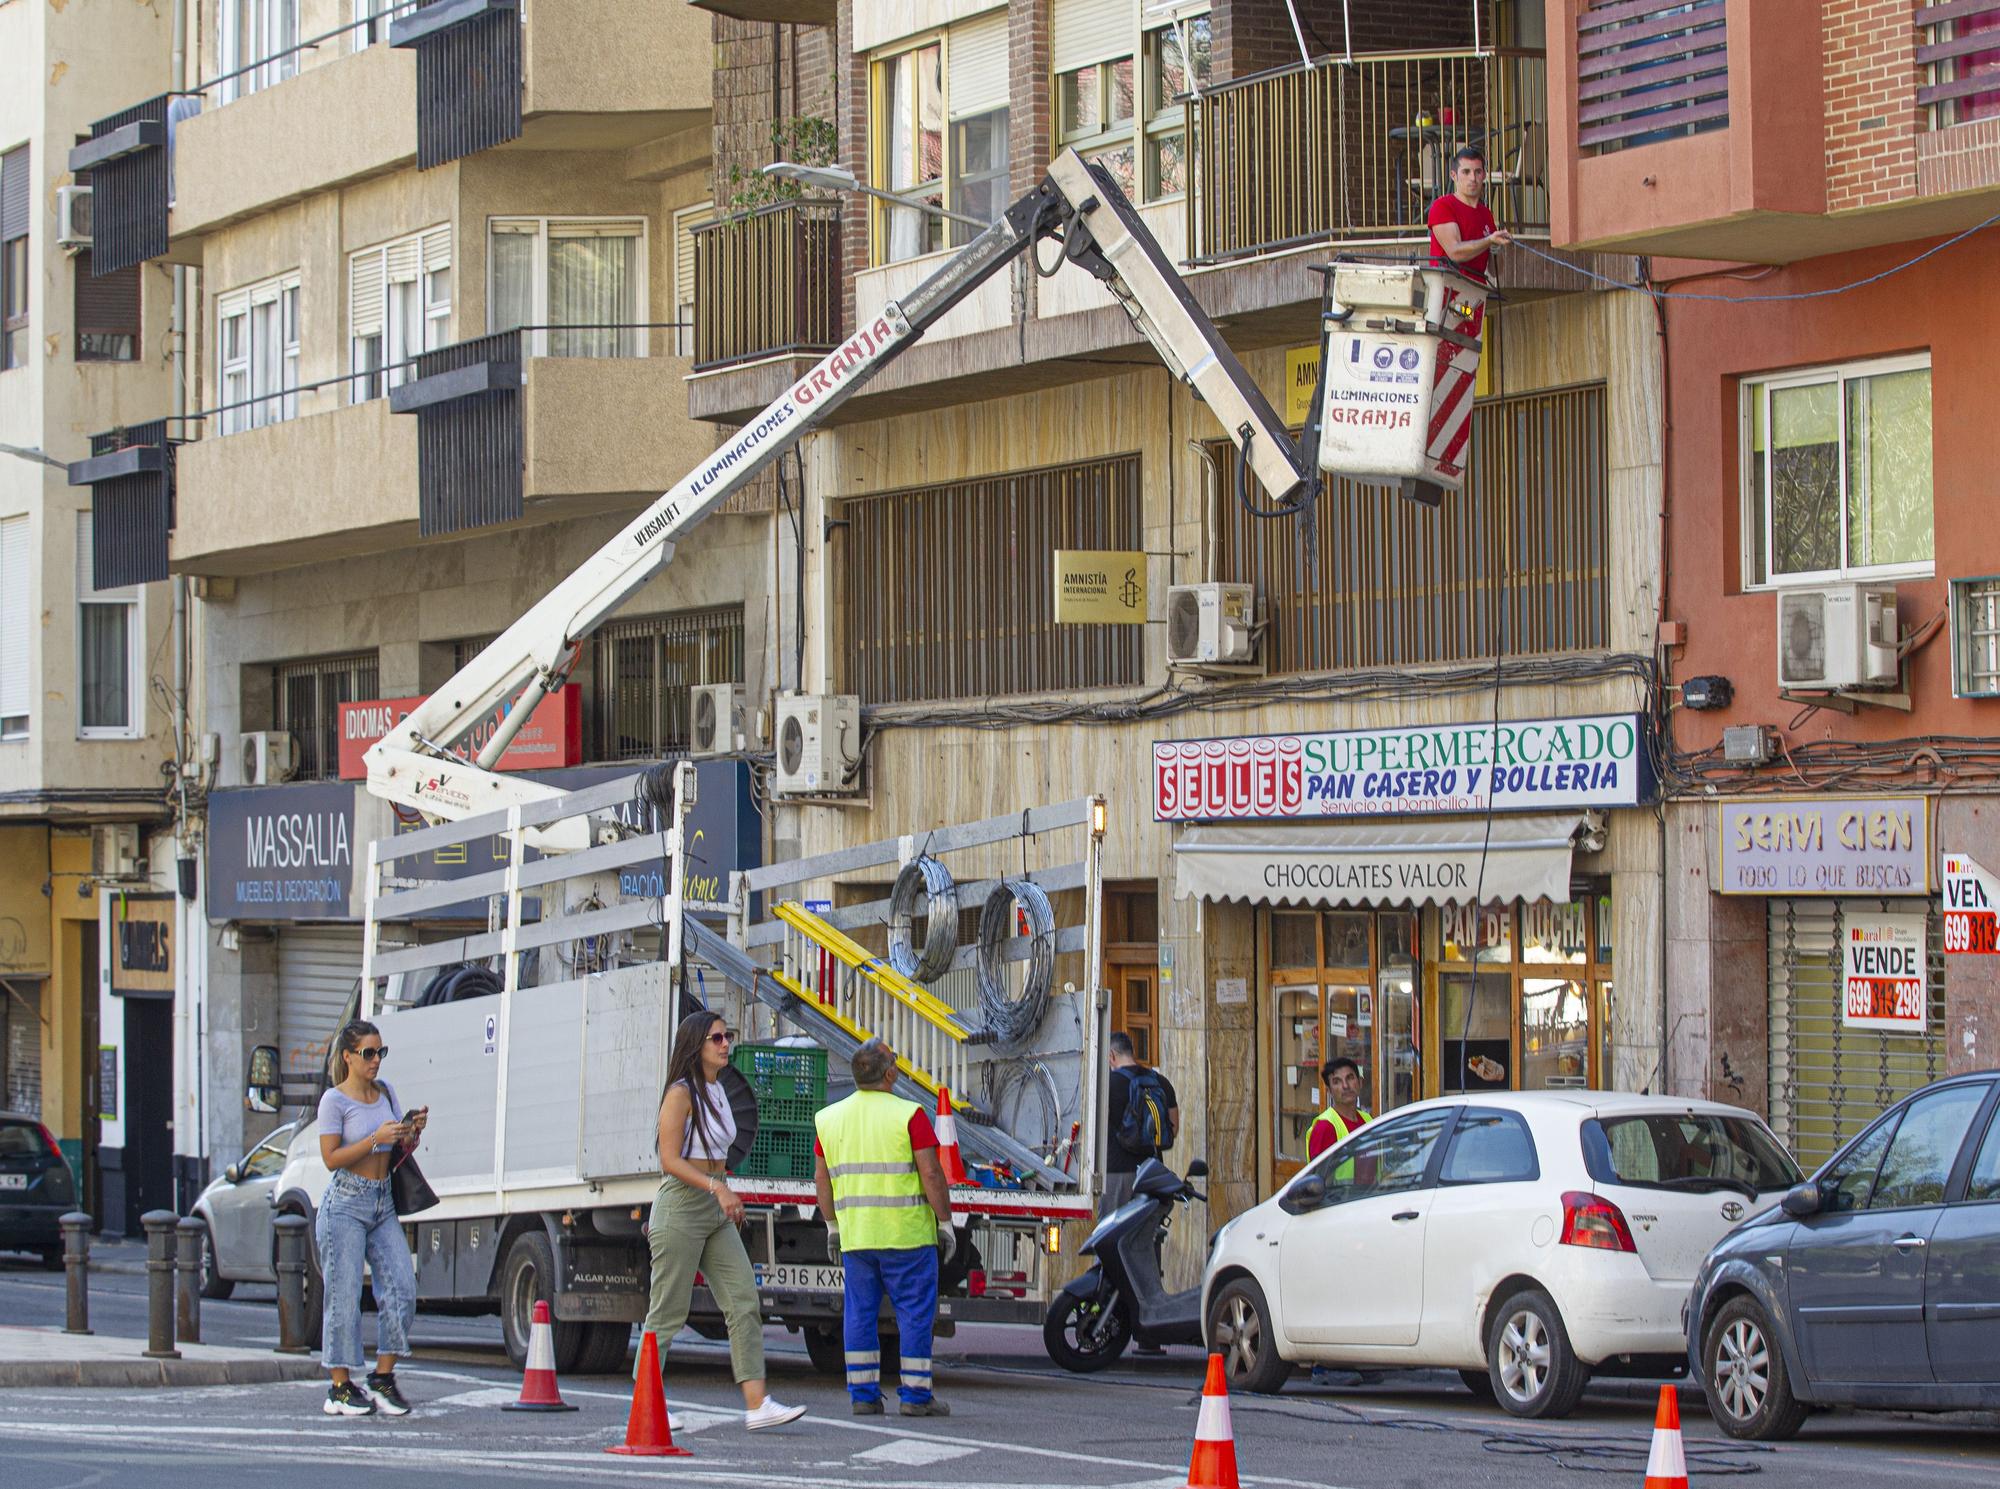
[688, 1234]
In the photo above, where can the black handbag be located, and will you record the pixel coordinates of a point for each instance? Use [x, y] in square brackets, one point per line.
[408, 1187]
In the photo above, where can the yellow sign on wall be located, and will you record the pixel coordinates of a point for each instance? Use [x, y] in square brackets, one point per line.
[1098, 586]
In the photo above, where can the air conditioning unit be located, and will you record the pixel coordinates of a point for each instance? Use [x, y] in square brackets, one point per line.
[715, 724]
[1210, 623]
[818, 744]
[114, 852]
[1837, 636]
[73, 216]
[269, 756]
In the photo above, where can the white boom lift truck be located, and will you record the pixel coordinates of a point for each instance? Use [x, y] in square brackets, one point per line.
[544, 1072]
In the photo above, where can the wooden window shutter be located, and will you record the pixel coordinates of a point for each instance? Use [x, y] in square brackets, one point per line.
[977, 53]
[14, 193]
[437, 248]
[364, 294]
[108, 306]
[1086, 31]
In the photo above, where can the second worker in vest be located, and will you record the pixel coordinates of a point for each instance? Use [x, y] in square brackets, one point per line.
[1343, 1114]
[883, 1194]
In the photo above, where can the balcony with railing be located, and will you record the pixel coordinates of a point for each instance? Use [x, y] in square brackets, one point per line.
[800, 12]
[531, 425]
[767, 284]
[1355, 150]
[1958, 89]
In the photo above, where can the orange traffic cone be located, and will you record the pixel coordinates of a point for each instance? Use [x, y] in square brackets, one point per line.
[1666, 1465]
[648, 1433]
[1213, 1465]
[538, 1384]
[947, 1136]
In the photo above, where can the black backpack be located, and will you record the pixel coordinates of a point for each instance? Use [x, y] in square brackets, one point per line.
[1142, 1130]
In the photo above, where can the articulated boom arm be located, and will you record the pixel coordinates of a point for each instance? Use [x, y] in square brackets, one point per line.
[415, 764]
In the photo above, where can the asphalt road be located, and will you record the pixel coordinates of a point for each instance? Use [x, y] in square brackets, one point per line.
[1016, 1421]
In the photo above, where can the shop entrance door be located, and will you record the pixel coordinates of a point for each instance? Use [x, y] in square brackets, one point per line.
[1135, 1009]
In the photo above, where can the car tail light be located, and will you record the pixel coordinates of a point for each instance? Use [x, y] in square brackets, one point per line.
[48, 1137]
[1593, 1221]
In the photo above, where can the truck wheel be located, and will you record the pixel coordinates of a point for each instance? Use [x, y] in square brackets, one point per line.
[827, 1349]
[605, 1348]
[528, 1277]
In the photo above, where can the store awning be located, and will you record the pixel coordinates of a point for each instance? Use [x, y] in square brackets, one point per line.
[1388, 862]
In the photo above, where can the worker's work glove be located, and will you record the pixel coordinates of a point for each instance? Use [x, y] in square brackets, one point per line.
[947, 1241]
[833, 1244]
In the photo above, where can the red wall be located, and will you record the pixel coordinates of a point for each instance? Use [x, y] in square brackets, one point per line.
[1942, 306]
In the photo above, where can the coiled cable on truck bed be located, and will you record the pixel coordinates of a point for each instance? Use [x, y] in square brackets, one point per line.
[1009, 1019]
[940, 919]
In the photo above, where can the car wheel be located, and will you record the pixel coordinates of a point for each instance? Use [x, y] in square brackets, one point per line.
[1743, 1375]
[1529, 1362]
[1080, 1336]
[1240, 1330]
[1478, 1382]
[528, 1277]
[604, 1349]
[827, 1349]
[213, 1283]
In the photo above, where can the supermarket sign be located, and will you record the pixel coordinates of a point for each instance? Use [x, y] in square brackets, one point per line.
[1971, 908]
[1887, 989]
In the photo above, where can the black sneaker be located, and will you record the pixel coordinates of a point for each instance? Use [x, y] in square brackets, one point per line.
[387, 1397]
[348, 1400]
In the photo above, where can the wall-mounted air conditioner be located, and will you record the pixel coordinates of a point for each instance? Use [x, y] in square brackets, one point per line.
[114, 851]
[73, 216]
[818, 744]
[1837, 636]
[715, 719]
[269, 756]
[1210, 623]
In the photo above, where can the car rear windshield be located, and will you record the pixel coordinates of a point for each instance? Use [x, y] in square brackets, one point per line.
[1686, 1150]
[19, 1140]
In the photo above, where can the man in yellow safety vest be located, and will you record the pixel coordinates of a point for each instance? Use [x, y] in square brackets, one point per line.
[887, 1208]
[1343, 1089]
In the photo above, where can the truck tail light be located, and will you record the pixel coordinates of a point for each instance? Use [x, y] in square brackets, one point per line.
[1593, 1221]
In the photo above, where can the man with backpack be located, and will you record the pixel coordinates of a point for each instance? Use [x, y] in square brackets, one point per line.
[1145, 1116]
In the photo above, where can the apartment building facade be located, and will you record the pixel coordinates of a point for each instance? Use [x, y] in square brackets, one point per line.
[437, 265]
[88, 748]
[1250, 937]
[1815, 187]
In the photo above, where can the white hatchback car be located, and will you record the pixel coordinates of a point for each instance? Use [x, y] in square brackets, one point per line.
[1525, 1239]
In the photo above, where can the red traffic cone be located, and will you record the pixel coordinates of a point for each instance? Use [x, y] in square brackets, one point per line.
[538, 1383]
[647, 1432]
[1666, 1465]
[1213, 1465]
[947, 1136]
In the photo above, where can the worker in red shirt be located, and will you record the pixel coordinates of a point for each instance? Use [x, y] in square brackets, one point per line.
[1343, 1114]
[1463, 233]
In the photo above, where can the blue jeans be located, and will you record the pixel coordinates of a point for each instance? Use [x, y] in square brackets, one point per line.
[357, 1222]
[911, 1280]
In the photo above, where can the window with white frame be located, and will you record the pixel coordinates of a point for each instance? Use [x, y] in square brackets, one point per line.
[371, 21]
[107, 650]
[15, 627]
[1837, 473]
[257, 42]
[579, 282]
[1975, 637]
[939, 135]
[1119, 79]
[258, 335]
[398, 304]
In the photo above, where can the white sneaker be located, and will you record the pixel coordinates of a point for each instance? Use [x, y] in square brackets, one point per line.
[675, 1424]
[771, 1414]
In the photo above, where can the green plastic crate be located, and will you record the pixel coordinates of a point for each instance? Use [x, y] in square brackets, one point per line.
[783, 1150]
[790, 1083]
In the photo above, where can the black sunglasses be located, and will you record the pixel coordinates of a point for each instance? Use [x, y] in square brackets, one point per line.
[723, 1036]
[372, 1051]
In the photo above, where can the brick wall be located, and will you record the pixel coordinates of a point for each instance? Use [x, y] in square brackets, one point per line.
[1872, 117]
[764, 73]
[1254, 35]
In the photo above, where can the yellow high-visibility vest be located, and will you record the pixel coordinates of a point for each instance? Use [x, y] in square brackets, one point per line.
[1343, 1172]
[878, 1200]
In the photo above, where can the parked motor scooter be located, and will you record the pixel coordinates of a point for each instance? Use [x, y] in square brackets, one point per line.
[1122, 1298]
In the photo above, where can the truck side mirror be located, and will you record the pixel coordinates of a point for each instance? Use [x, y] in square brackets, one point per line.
[260, 1079]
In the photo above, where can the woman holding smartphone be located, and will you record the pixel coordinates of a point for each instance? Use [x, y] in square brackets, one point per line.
[361, 1127]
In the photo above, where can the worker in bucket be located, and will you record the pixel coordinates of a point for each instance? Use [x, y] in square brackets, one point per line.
[882, 1192]
[1463, 232]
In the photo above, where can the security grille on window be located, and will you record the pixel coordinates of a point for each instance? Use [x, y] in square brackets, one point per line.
[1975, 637]
[642, 673]
[107, 313]
[1837, 473]
[306, 699]
[586, 275]
[13, 258]
[257, 44]
[259, 338]
[949, 588]
[939, 135]
[398, 304]
[107, 650]
[15, 550]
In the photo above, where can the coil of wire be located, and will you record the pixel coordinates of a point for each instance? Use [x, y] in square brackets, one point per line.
[923, 874]
[1010, 1019]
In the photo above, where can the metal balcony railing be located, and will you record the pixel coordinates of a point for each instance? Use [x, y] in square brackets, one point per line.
[1958, 43]
[767, 282]
[1357, 150]
[1648, 70]
[130, 474]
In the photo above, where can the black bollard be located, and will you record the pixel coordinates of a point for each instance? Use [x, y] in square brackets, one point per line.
[76, 1260]
[187, 1292]
[294, 1235]
[159, 1226]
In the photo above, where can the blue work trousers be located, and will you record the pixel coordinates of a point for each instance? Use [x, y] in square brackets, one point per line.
[910, 1278]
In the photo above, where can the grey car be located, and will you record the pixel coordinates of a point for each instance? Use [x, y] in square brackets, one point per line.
[1874, 1283]
[237, 1210]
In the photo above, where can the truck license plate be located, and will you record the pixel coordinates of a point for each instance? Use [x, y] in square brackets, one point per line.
[803, 1278]
[13, 1181]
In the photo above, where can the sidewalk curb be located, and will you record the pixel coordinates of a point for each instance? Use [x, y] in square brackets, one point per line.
[19, 1373]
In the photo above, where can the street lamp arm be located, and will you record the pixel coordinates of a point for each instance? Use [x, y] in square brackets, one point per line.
[834, 178]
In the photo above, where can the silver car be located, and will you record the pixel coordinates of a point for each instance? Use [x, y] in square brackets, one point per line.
[237, 1210]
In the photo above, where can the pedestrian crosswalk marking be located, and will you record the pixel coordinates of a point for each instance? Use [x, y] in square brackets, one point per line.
[913, 1452]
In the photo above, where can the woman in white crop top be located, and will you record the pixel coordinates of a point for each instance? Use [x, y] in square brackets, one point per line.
[695, 1214]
